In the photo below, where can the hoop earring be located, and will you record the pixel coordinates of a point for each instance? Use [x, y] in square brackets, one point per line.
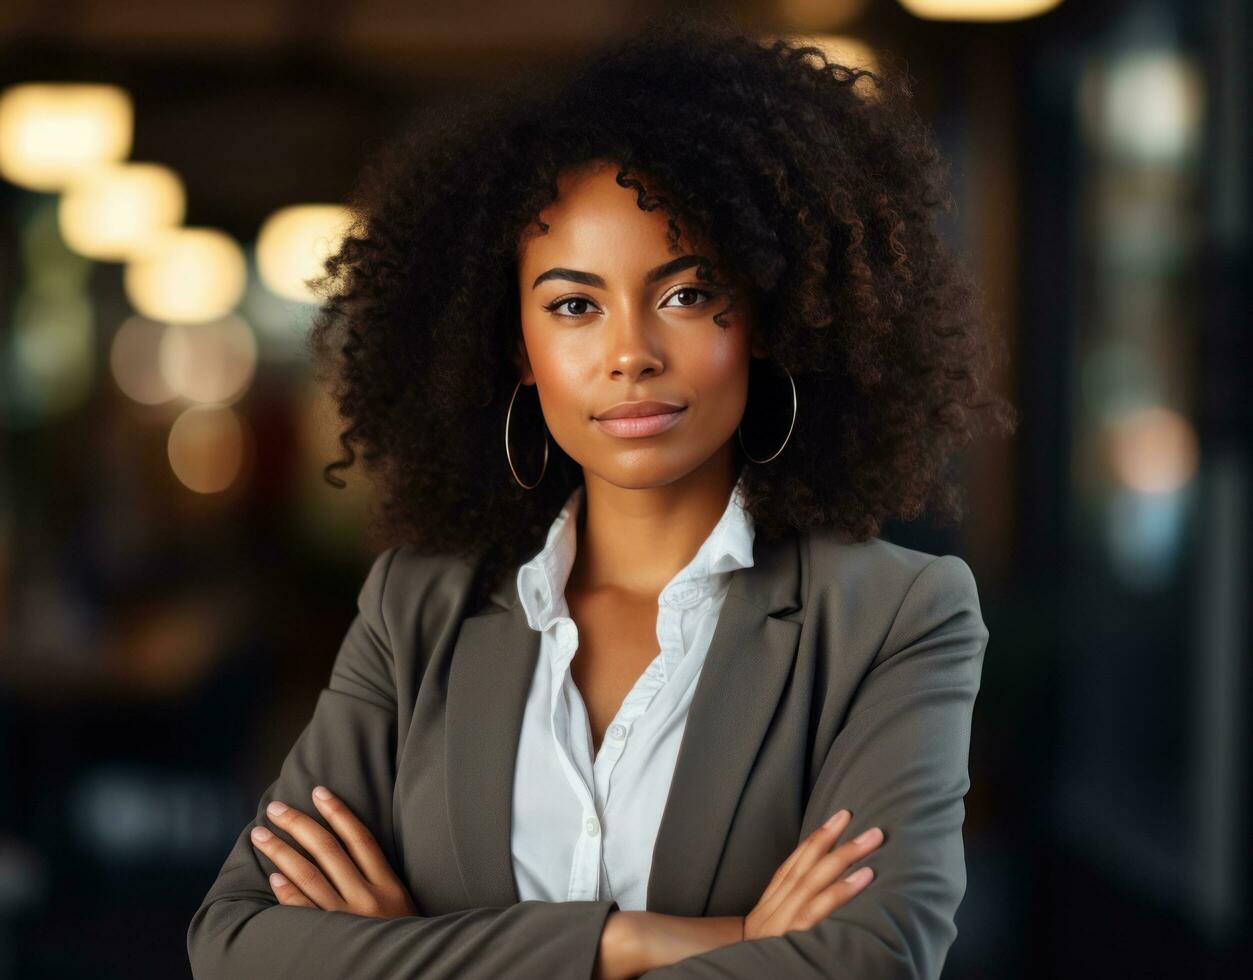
[789, 430]
[509, 457]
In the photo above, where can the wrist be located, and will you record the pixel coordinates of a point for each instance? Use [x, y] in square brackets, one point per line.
[660, 940]
[621, 956]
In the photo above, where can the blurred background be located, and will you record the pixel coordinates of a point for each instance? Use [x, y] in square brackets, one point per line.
[170, 557]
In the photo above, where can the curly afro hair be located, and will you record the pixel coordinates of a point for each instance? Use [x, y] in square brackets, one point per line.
[818, 186]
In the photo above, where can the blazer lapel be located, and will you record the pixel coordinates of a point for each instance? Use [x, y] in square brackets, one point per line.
[749, 660]
[493, 662]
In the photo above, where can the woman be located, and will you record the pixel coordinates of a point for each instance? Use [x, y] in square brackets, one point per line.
[642, 363]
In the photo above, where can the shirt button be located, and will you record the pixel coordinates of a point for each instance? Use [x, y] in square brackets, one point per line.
[593, 826]
[617, 731]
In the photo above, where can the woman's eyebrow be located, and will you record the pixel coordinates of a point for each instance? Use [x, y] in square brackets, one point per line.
[591, 279]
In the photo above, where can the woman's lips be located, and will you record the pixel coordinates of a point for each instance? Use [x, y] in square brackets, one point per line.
[641, 425]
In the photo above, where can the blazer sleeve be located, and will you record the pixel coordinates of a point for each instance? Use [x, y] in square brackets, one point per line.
[900, 762]
[240, 928]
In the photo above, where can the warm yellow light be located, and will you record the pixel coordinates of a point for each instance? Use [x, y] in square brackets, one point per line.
[207, 447]
[978, 9]
[133, 359]
[820, 15]
[112, 212]
[186, 275]
[1153, 450]
[209, 362]
[51, 133]
[294, 242]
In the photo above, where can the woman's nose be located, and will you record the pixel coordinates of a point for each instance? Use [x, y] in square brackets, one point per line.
[633, 346]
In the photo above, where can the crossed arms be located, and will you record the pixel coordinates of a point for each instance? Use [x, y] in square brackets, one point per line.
[914, 705]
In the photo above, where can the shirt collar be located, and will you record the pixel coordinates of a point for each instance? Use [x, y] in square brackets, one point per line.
[542, 580]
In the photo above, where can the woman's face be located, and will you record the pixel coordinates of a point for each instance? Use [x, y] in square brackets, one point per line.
[611, 315]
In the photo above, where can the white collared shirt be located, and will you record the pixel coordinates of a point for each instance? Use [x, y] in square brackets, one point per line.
[583, 827]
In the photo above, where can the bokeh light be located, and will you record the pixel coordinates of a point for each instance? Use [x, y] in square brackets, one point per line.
[51, 133]
[294, 242]
[978, 9]
[207, 448]
[53, 351]
[1152, 449]
[1146, 105]
[208, 362]
[112, 212]
[134, 361]
[187, 275]
[47, 358]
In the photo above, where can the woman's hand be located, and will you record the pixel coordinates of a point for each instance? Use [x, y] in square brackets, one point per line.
[808, 886]
[801, 893]
[360, 879]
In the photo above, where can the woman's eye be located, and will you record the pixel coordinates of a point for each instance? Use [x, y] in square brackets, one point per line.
[552, 307]
[582, 303]
[690, 289]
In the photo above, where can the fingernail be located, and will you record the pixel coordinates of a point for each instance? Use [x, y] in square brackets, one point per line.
[834, 820]
[277, 880]
[868, 836]
[859, 877]
[276, 809]
[321, 792]
[261, 835]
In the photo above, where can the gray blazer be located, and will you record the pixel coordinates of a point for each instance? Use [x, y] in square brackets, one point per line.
[840, 674]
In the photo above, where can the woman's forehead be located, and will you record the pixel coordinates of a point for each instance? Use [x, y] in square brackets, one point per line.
[596, 221]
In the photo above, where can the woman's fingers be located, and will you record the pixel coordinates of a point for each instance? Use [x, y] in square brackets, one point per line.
[324, 847]
[355, 836]
[805, 854]
[357, 880]
[834, 895]
[299, 870]
[813, 882]
[795, 905]
[287, 893]
[834, 865]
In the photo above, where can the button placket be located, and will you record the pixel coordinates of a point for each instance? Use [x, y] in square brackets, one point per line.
[585, 873]
[590, 772]
[585, 869]
[607, 759]
[559, 717]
